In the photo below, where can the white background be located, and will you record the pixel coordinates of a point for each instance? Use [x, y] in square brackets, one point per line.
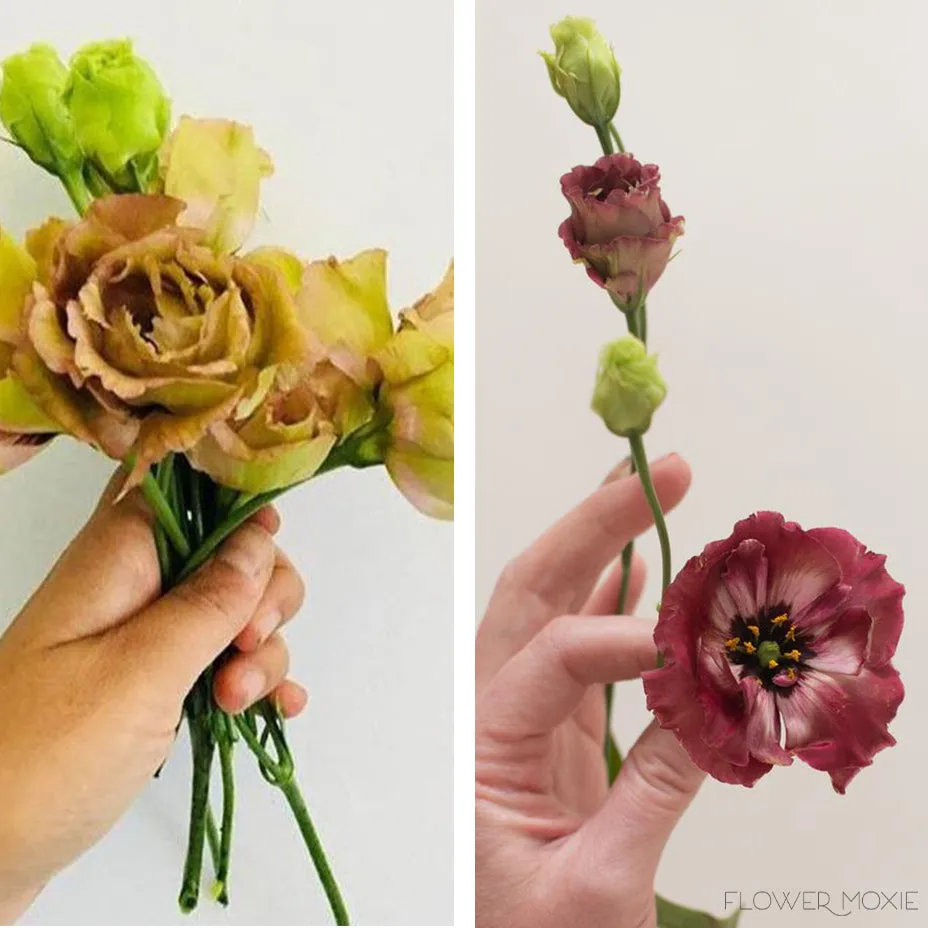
[791, 330]
[354, 102]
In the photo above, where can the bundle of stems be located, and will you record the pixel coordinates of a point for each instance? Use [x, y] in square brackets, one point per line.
[193, 517]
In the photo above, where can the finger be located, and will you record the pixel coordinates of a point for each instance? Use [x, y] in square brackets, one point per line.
[546, 681]
[281, 602]
[623, 469]
[290, 698]
[268, 518]
[656, 785]
[189, 627]
[108, 573]
[604, 600]
[245, 678]
[557, 573]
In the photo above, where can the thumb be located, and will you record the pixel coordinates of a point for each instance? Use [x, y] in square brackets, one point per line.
[179, 635]
[657, 783]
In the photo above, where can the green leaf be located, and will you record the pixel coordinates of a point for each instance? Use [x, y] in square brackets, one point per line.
[671, 915]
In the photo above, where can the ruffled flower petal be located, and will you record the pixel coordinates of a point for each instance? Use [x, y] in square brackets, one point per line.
[216, 168]
[344, 305]
[838, 723]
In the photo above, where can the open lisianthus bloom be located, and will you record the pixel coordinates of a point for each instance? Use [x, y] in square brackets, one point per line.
[138, 336]
[777, 642]
[619, 227]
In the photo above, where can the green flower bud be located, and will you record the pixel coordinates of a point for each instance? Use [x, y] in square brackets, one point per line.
[629, 387]
[120, 111]
[32, 108]
[583, 70]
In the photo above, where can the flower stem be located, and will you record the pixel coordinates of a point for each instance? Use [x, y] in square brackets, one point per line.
[221, 890]
[605, 139]
[165, 515]
[617, 138]
[77, 190]
[639, 456]
[203, 745]
[294, 798]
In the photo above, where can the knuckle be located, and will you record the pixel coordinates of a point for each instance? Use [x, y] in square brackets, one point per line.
[662, 784]
[510, 576]
[558, 637]
[297, 587]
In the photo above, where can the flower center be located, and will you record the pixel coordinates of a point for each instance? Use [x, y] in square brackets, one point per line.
[768, 646]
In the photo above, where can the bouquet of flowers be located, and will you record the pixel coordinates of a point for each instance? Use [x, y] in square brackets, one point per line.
[777, 642]
[218, 378]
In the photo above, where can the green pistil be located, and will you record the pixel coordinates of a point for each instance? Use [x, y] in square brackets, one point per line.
[768, 651]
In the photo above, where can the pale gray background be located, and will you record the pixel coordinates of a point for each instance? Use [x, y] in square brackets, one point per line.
[354, 102]
[791, 329]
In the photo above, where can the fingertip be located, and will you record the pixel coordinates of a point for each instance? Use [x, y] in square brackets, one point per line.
[622, 469]
[290, 698]
[249, 550]
[674, 471]
[268, 518]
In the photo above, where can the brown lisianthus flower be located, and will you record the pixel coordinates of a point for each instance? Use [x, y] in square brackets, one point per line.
[139, 335]
[619, 226]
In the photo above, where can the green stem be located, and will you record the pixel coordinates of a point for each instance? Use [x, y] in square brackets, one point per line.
[77, 190]
[228, 814]
[201, 739]
[212, 838]
[605, 139]
[639, 456]
[294, 797]
[165, 515]
[616, 138]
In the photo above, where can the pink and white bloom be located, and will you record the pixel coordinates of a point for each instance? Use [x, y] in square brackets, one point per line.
[619, 225]
[778, 643]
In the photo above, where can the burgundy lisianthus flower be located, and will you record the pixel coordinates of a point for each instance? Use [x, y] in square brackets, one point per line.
[619, 225]
[777, 643]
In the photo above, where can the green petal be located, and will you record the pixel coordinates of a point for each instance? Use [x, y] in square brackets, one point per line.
[216, 168]
[17, 274]
[19, 412]
[282, 260]
[344, 304]
[427, 482]
[270, 469]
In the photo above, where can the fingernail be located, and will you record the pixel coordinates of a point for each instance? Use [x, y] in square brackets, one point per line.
[622, 469]
[252, 684]
[266, 624]
[667, 457]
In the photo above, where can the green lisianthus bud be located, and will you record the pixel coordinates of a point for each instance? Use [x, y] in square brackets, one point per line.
[583, 70]
[121, 113]
[629, 387]
[33, 109]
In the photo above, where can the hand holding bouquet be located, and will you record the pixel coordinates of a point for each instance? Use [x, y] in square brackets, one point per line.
[219, 378]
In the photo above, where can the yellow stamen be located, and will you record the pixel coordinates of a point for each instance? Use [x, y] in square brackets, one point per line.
[793, 655]
[772, 664]
[791, 673]
[791, 634]
[754, 630]
[732, 643]
[780, 619]
[749, 647]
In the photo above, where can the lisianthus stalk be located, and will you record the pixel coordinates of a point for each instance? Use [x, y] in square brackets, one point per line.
[187, 502]
[609, 201]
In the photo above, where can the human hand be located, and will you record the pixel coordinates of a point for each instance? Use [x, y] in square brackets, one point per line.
[556, 847]
[94, 671]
